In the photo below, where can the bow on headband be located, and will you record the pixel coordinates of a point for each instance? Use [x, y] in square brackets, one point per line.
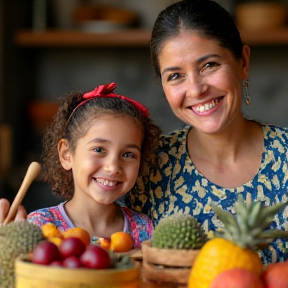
[102, 91]
[107, 91]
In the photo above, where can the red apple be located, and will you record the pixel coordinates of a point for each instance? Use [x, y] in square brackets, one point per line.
[45, 253]
[95, 257]
[71, 247]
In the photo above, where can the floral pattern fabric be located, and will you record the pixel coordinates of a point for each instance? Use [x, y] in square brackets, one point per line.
[138, 225]
[177, 186]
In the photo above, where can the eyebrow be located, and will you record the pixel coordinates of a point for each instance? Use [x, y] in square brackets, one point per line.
[199, 60]
[101, 140]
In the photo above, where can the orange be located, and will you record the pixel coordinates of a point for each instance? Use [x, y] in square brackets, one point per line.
[77, 232]
[104, 243]
[121, 242]
[55, 240]
[50, 230]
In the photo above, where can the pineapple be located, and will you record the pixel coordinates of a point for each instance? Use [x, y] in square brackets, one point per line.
[243, 235]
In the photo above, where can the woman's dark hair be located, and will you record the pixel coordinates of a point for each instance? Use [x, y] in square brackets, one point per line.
[203, 16]
[73, 125]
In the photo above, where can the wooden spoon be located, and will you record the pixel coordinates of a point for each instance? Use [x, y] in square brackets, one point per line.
[31, 174]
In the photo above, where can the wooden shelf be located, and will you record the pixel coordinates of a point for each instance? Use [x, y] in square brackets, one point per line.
[269, 37]
[62, 38]
[128, 38]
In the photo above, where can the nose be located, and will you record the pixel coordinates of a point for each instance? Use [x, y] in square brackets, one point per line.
[112, 165]
[196, 86]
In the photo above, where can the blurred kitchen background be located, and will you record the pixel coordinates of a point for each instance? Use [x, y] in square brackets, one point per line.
[49, 47]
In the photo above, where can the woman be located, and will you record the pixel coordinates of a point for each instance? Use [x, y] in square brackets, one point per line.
[203, 65]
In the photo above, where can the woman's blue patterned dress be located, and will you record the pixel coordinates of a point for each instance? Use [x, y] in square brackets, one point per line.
[176, 186]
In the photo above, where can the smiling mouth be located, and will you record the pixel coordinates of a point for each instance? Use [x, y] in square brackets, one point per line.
[208, 105]
[106, 182]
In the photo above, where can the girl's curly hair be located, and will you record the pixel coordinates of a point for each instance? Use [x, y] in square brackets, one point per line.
[73, 125]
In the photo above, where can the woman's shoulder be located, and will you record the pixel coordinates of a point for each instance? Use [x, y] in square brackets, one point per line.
[275, 133]
[175, 138]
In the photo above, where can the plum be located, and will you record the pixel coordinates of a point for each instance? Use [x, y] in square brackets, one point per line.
[95, 257]
[72, 262]
[71, 246]
[45, 253]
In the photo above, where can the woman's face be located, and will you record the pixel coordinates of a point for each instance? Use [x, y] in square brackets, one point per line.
[202, 81]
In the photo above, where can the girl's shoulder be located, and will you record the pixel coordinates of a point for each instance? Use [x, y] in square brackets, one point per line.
[140, 225]
[135, 216]
[46, 215]
[48, 212]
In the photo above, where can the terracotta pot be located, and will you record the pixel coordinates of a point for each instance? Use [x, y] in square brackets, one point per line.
[29, 275]
[41, 113]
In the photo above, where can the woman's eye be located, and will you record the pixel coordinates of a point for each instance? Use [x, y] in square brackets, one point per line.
[210, 65]
[174, 76]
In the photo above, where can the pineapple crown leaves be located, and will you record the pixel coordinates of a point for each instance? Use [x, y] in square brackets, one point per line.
[249, 227]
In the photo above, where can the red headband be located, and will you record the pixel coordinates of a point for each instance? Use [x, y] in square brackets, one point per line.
[107, 91]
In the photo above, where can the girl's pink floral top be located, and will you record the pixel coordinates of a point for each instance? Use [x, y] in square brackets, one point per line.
[138, 225]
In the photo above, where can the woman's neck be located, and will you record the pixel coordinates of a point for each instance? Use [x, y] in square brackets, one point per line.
[228, 159]
[225, 145]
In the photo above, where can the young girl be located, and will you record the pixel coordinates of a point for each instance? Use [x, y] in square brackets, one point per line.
[93, 151]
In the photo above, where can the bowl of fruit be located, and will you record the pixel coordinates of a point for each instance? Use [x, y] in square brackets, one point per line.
[72, 265]
[68, 260]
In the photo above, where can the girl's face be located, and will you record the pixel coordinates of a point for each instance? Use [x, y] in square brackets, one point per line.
[202, 81]
[106, 161]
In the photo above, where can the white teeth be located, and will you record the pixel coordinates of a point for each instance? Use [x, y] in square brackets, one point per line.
[106, 182]
[207, 106]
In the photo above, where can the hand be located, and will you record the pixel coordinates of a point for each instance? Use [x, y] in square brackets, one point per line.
[4, 208]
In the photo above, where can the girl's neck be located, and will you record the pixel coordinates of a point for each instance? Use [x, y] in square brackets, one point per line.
[99, 220]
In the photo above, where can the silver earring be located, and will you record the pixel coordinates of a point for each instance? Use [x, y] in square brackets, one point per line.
[246, 95]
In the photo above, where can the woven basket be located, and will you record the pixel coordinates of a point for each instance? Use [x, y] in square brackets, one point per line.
[29, 275]
[261, 15]
[167, 265]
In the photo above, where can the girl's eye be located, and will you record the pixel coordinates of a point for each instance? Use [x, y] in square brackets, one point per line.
[98, 150]
[129, 155]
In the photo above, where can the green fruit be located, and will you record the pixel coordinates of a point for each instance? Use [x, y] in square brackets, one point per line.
[16, 238]
[178, 231]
